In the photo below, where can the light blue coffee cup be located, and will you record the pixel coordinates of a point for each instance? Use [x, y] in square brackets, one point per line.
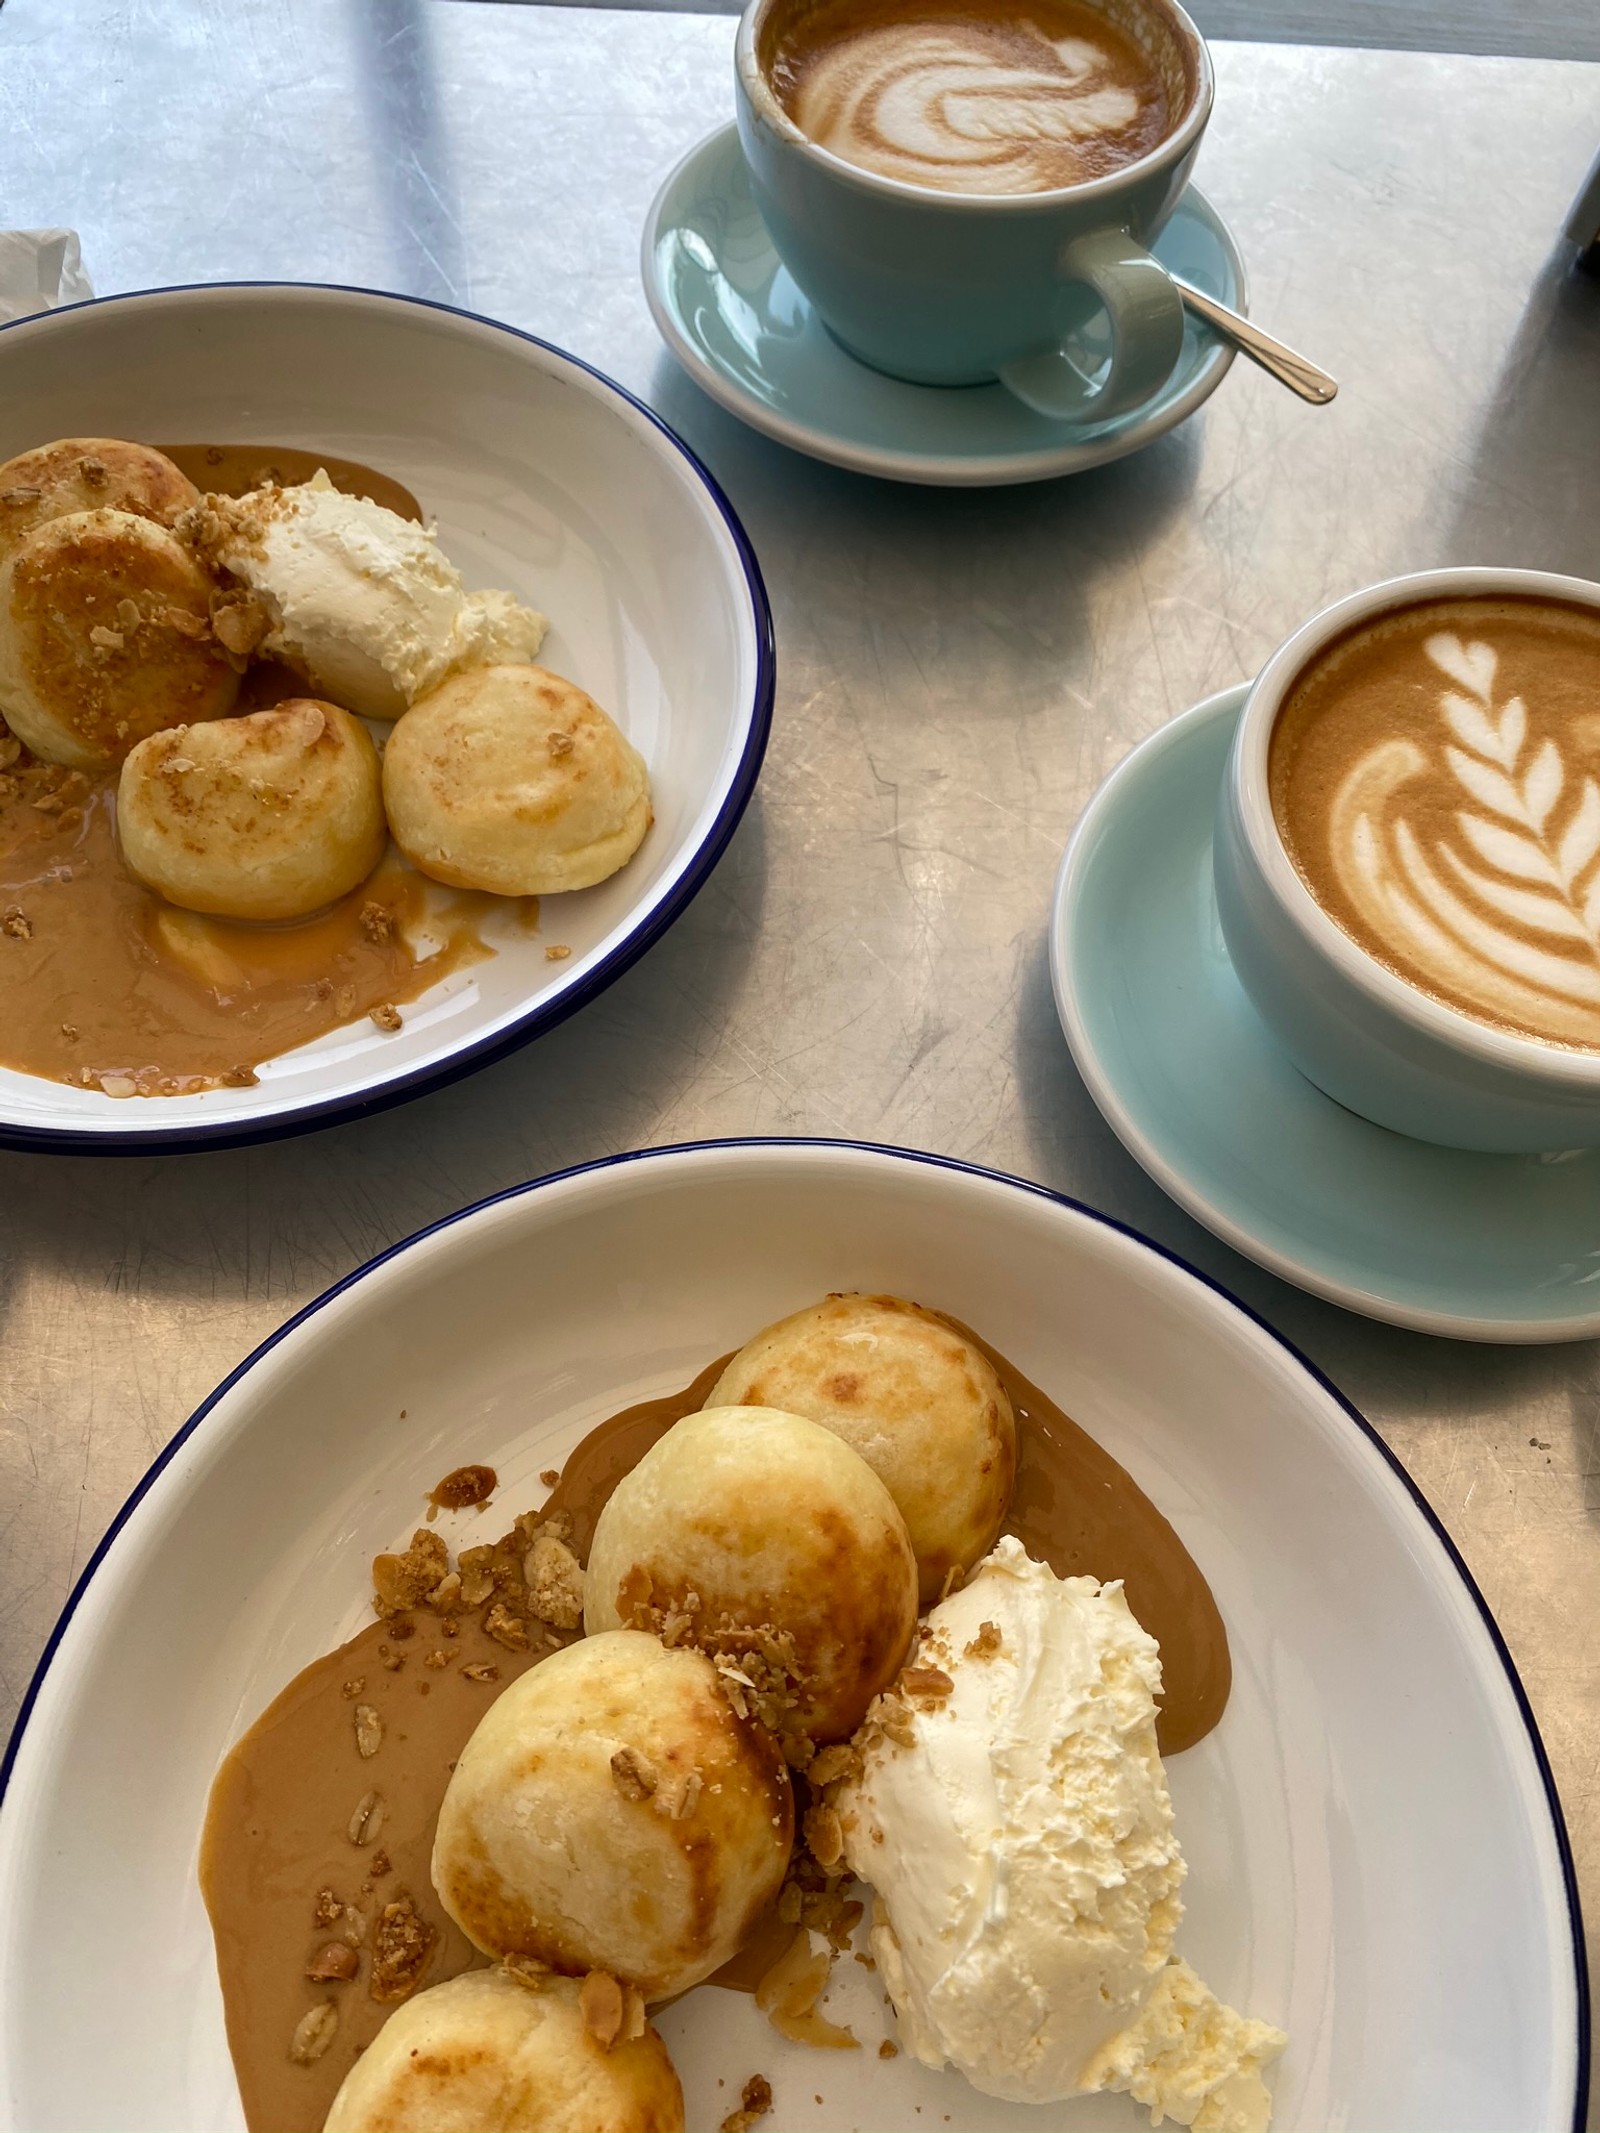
[1380, 1046]
[948, 288]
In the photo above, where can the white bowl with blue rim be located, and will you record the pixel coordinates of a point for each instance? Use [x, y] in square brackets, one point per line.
[544, 477]
[1376, 1852]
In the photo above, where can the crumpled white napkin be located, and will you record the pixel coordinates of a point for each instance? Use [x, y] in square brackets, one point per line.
[38, 270]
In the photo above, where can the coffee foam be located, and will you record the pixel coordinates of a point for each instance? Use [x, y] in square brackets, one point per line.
[965, 102]
[1434, 779]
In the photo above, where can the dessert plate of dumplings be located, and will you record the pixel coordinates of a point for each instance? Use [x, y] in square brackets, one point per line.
[1374, 1883]
[463, 692]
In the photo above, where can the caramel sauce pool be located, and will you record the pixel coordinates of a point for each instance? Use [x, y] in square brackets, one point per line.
[106, 986]
[277, 1829]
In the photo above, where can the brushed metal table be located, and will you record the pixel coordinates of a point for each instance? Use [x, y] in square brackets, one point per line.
[958, 670]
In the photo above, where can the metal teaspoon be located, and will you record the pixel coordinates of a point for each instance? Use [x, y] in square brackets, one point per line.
[1296, 371]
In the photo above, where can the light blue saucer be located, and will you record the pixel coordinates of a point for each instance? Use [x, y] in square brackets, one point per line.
[1482, 1247]
[731, 315]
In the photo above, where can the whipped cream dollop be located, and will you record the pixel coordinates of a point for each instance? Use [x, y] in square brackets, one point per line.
[363, 602]
[1017, 1833]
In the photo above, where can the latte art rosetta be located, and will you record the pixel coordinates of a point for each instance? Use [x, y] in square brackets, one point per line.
[1460, 841]
[969, 102]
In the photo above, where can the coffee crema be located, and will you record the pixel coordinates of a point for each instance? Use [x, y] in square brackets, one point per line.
[1022, 99]
[1435, 778]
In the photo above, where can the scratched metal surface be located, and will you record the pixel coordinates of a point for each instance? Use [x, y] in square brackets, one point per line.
[958, 671]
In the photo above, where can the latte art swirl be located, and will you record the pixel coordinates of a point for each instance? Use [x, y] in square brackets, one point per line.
[967, 103]
[1459, 839]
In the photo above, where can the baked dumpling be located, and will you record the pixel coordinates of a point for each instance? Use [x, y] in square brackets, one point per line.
[273, 815]
[88, 474]
[922, 1405]
[612, 1812]
[484, 2053]
[511, 779]
[105, 637]
[767, 1540]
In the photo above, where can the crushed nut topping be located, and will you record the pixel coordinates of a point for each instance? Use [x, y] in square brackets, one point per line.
[633, 1774]
[930, 1681]
[18, 925]
[313, 2033]
[480, 1671]
[402, 1942]
[329, 1909]
[386, 1016]
[549, 1476]
[754, 2103]
[554, 1578]
[603, 2005]
[337, 1963]
[369, 1731]
[377, 921]
[350, 1690]
[986, 1643]
[824, 1834]
[888, 2049]
[557, 952]
[463, 1486]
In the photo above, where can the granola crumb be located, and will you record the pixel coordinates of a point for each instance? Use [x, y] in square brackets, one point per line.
[888, 2049]
[334, 1964]
[17, 925]
[369, 1731]
[463, 1487]
[313, 2033]
[633, 1774]
[929, 1681]
[555, 1581]
[386, 1016]
[549, 1476]
[403, 1941]
[600, 2002]
[754, 2103]
[329, 1910]
[506, 1628]
[985, 1644]
[350, 1690]
[557, 952]
[377, 921]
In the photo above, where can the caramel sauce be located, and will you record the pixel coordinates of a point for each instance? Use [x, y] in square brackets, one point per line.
[231, 469]
[105, 985]
[277, 1827]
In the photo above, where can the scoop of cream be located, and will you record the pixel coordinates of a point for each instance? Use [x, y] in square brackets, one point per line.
[363, 602]
[1017, 1833]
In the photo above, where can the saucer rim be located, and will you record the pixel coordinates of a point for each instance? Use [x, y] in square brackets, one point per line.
[1106, 802]
[932, 470]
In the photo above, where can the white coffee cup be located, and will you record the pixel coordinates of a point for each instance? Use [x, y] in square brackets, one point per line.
[1374, 1042]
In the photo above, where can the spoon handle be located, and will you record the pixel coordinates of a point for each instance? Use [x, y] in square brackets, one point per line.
[1296, 371]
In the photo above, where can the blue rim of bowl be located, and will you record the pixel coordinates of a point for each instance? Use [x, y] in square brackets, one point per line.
[1425, 1510]
[337, 1110]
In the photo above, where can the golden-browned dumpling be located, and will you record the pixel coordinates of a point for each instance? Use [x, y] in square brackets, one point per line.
[511, 779]
[612, 1812]
[88, 474]
[485, 2053]
[764, 1538]
[105, 636]
[915, 1398]
[269, 816]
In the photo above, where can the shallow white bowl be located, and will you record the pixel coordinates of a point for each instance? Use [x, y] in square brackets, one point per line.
[1377, 1856]
[544, 477]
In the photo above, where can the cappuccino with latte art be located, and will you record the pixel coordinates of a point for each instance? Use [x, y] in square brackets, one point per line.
[1026, 98]
[1435, 778]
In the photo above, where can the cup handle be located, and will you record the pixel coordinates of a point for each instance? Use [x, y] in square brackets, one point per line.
[1146, 314]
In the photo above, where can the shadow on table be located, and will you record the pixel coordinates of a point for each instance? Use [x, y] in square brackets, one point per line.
[287, 1218]
[1085, 522]
[1531, 500]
